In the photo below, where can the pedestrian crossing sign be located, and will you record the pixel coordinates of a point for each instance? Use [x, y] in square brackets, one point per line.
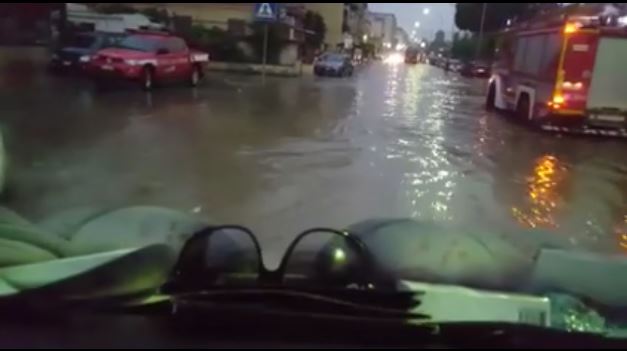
[266, 11]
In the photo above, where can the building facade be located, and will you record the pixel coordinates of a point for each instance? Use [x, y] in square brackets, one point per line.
[356, 23]
[382, 29]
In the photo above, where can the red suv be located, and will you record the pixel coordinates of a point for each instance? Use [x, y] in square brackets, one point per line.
[149, 58]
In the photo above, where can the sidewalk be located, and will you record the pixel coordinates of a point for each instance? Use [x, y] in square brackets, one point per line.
[248, 68]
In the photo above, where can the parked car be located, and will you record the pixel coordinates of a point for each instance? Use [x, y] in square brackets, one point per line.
[148, 58]
[478, 69]
[455, 65]
[77, 51]
[332, 64]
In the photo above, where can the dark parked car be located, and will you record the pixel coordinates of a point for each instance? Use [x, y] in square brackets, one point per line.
[477, 69]
[332, 64]
[79, 49]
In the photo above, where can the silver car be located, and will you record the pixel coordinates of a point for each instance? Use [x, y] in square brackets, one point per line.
[332, 64]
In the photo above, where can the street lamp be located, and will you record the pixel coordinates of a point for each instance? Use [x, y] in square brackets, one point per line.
[416, 24]
[365, 38]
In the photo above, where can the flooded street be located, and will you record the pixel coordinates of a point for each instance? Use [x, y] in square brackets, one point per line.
[392, 141]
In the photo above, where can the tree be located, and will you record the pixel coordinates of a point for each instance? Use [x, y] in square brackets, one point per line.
[439, 37]
[438, 42]
[315, 29]
[463, 47]
[468, 15]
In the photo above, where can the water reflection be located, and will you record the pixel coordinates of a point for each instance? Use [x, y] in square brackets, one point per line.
[621, 233]
[543, 194]
[393, 141]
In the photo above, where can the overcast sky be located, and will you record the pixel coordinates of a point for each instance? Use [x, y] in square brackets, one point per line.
[441, 16]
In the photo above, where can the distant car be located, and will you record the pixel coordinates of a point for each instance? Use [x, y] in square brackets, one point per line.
[148, 58]
[478, 69]
[455, 65]
[411, 56]
[332, 64]
[76, 52]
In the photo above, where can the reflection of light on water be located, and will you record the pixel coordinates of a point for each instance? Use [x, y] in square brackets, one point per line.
[542, 194]
[390, 93]
[622, 235]
[431, 184]
[412, 91]
[480, 144]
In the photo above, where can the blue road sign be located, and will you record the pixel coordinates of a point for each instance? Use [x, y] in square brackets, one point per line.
[266, 11]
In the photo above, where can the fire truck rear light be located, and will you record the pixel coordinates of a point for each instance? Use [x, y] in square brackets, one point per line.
[572, 86]
[571, 27]
[558, 100]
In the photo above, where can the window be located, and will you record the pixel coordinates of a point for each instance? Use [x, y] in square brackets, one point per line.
[519, 61]
[550, 58]
[111, 40]
[530, 54]
[534, 54]
[175, 45]
[139, 43]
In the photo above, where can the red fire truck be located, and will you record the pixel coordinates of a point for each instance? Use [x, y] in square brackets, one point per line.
[564, 73]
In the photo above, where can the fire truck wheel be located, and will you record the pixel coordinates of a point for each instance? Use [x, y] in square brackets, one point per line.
[522, 109]
[147, 78]
[489, 102]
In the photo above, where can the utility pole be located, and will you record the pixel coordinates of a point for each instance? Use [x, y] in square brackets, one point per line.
[265, 52]
[479, 41]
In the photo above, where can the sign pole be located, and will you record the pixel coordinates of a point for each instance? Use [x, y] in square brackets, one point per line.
[265, 52]
[266, 12]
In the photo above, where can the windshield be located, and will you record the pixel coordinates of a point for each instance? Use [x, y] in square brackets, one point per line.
[139, 43]
[333, 58]
[463, 150]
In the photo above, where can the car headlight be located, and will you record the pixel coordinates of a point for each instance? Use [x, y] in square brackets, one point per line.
[132, 62]
[85, 58]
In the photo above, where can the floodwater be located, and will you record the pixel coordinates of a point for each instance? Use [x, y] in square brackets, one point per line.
[280, 157]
